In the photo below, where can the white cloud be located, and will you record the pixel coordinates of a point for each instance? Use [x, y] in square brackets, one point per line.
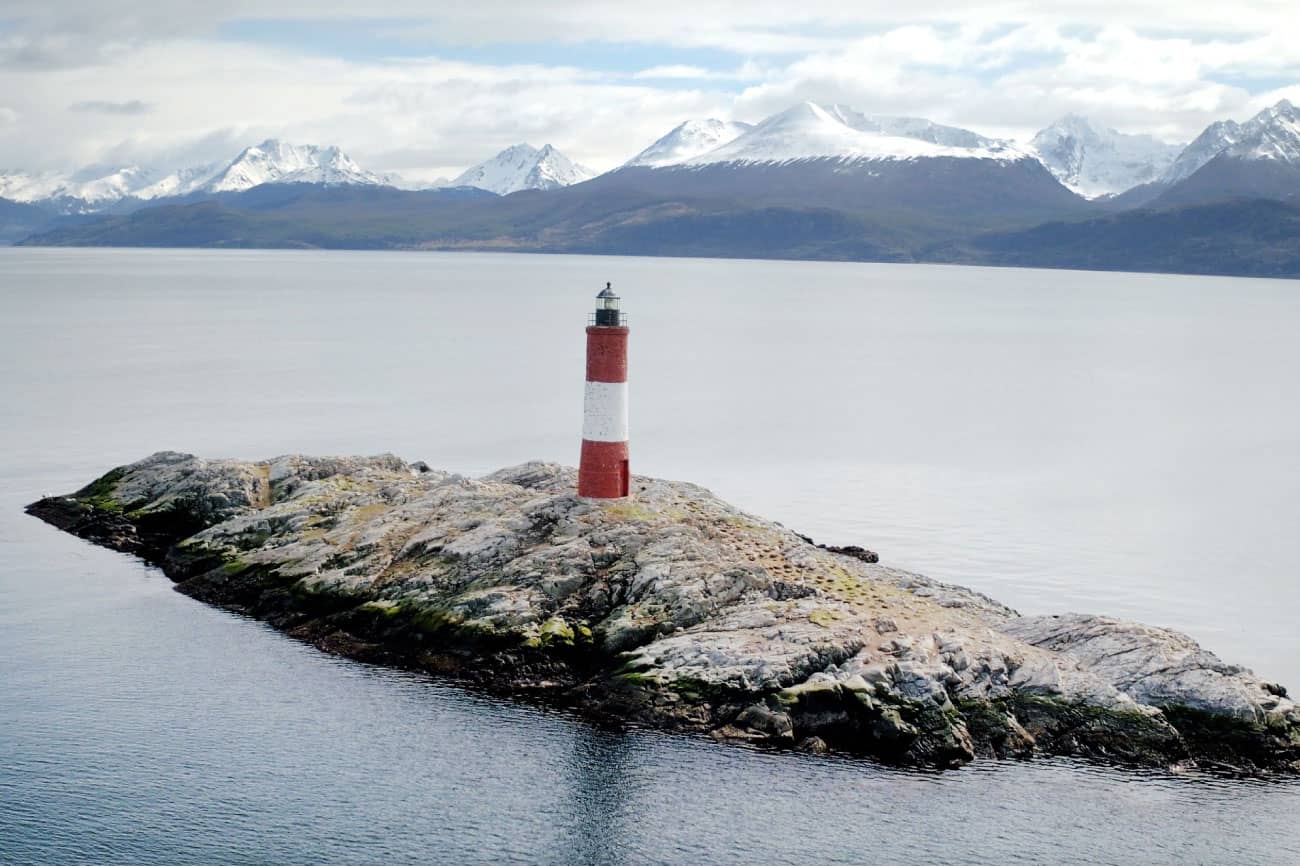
[154, 82]
[432, 116]
[1012, 82]
[748, 71]
[801, 26]
[676, 71]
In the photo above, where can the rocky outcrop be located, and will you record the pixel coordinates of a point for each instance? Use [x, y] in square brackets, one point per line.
[671, 608]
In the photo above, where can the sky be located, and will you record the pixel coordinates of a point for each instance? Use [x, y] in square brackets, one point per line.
[425, 88]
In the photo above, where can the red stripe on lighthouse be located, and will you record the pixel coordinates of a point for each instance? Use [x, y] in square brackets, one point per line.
[606, 354]
[603, 473]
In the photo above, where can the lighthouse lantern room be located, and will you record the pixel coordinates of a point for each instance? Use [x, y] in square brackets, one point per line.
[603, 470]
[607, 314]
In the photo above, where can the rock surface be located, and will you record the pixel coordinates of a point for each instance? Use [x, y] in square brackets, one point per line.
[671, 608]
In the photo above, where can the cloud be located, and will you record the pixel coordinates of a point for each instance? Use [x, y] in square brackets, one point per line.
[7, 116]
[675, 71]
[458, 93]
[133, 106]
[1010, 80]
[682, 72]
[451, 113]
[666, 21]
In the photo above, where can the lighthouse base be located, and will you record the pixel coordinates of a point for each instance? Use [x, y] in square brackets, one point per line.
[603, 471]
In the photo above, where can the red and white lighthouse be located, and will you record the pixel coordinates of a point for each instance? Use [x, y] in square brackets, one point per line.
[603, 471]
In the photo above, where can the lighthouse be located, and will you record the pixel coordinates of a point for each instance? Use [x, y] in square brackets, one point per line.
[603, 471]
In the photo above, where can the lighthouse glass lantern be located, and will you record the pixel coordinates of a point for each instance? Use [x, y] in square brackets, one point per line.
[607, 315]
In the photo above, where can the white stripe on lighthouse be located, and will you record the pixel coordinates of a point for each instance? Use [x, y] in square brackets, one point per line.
[605, 412]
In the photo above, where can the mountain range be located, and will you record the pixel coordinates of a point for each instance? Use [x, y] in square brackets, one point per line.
[1090, 160]
[813, 181]
[272, 161]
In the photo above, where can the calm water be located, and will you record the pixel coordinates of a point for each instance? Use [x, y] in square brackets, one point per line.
[1062, 441]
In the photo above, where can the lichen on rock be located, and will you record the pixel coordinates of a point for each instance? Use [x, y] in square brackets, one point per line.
[673, 609]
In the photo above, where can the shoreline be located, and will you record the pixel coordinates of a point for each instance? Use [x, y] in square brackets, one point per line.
[671, 610]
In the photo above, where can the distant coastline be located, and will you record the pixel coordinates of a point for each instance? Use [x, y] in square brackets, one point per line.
[1246, 237]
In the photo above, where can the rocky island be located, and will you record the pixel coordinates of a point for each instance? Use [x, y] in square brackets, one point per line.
[671, 608]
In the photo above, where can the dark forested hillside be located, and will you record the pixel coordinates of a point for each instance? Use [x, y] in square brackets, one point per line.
[961, 211]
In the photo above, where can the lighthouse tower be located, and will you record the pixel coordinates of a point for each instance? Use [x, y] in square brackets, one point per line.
[603, 472]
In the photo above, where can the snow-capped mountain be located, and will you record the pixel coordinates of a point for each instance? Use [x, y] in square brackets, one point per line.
[809, 131]
[272, 161]
[813, 159]
[1258, 159]
[913, 127]
[1095, 161]
[1273, 134]
[181, 182]
[90, 187]
[689, 140]
[109, 187]
[275, 161]
[21, 186]
[524, 167]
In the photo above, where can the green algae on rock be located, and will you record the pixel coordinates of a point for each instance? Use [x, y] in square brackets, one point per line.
[672, 609]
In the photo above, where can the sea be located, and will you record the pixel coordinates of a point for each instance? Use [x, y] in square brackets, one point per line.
[1114, 443]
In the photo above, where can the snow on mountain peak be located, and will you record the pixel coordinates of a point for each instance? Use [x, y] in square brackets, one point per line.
[275, 161]
[1096, 161]
[272, 161]
[27, 187]
[688, 140]
[1217, 137]
[180, 182]
[810, 131]
[1283, 109]
[1273, 133]
[111, 186]
[89, 187]
[913, 127]
[523, 166]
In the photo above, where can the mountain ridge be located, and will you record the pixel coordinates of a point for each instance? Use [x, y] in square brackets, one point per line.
[809, 131]
[521, 167]
[1245, 237]
[1096, 161]
[1273, 133]
[688, 139]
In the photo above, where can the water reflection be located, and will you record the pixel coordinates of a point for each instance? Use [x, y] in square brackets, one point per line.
[598, 789]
